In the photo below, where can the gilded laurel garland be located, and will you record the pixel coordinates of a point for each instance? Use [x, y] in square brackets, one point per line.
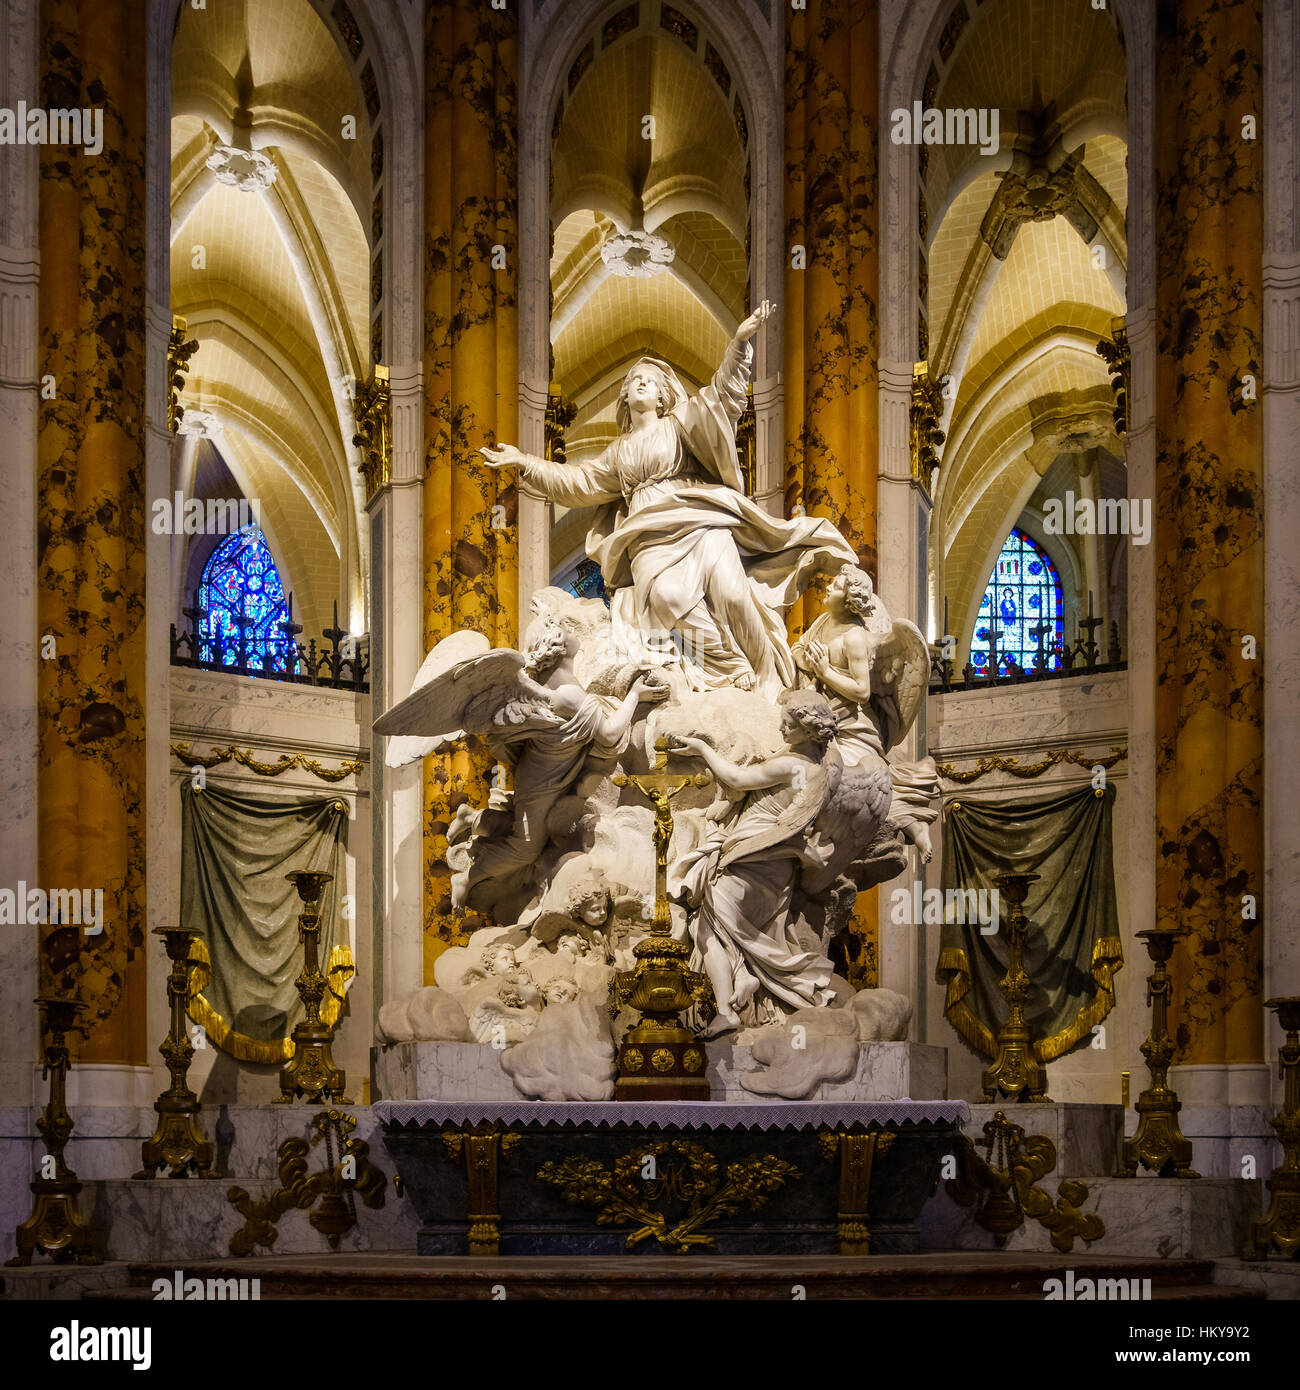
[685, 1172]
[1054, 757]
[216, 756]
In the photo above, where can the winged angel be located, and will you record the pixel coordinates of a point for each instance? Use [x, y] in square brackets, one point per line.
[538, 718]
[874, 670]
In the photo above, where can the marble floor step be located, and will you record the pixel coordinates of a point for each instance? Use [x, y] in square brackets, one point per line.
[958, 1274]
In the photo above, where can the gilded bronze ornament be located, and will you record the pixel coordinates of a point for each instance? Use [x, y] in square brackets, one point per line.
[482, 1149]
[372, 414]
[685, 1175]
[56, 1227]
[179, 351]
[925, 413]
[857, 1154]
[1280, 1228]
[1017, 1072]
[1116, 354]
[1004, 1190]
[177, 1142]
[1158, 1144]
[660, 986]
[1014, 767]
[335, 1187]
[245, 756]
[311, 1072]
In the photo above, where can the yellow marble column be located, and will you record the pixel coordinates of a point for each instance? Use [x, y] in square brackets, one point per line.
[470, 380]
[829, 313]
[91, 527]
[1209, 521]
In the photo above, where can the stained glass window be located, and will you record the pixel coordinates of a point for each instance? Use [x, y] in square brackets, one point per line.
[1023, 594]
[240, 581]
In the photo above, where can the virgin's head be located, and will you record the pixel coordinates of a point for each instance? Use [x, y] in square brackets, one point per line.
[645, 388]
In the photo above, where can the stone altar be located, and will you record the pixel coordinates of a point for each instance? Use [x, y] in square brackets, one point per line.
[531, 1178]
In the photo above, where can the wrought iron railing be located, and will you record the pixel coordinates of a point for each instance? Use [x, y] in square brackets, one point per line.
[1056, 662]
[339, 661]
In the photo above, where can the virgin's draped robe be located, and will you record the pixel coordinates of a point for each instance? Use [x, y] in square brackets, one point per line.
[683, 550]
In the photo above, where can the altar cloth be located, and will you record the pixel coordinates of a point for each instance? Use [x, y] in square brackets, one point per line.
[681, 1114]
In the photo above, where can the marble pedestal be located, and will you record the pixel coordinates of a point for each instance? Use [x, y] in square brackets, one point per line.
[472, 1072]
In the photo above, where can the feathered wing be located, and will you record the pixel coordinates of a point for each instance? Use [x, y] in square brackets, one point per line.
[851, 814]
[457, 692]
[901, 673]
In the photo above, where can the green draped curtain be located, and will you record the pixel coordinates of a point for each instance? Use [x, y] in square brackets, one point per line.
[1075, 949]
[236, 851]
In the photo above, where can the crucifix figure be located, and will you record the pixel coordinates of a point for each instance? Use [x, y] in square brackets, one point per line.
[658, 1059]
[659, 786]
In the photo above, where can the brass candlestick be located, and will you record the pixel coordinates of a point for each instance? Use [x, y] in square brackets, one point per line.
[1281, 1227]
[311, 1072]
[1017, 1073]
[1158, 1144]
[56, 1227]
[177, 1142]
[658, 1058]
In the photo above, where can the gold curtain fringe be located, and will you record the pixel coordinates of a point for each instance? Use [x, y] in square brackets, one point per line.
[216, 756]
[995, 762]
[1107, 957]
[240, 1045]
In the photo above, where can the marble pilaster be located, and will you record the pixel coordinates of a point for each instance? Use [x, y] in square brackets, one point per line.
[19, 772]
[1280, 403]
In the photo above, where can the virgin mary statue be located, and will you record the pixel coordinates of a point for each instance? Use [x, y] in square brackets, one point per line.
[699, 575]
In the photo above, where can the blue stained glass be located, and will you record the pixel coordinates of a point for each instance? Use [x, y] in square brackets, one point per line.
[240, 579]
[1024, 591]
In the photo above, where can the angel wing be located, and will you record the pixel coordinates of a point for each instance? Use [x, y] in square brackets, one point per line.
[901, 672]
[457, 690]
[852, 813]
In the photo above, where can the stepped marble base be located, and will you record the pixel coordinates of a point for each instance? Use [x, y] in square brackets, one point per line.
[472, 1072]
[1168, 1218]
[534, 1178]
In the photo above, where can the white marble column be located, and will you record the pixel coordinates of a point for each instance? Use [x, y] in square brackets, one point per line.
[534, 516]
[902, 540]
[1280, 398]
[397, 649]
[19, 370]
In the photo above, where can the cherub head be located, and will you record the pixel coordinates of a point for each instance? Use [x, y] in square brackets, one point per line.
[589, 902]
[852, 590]
[805, 715]
[499, 960]
[559, 989]
[645, 384]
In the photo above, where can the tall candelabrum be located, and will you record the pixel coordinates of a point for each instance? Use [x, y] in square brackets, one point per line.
[311, 1072]
[1159, 1144]
[56, 1227]
[1017, 1072]
[177, 1143]
[1280, 1229]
